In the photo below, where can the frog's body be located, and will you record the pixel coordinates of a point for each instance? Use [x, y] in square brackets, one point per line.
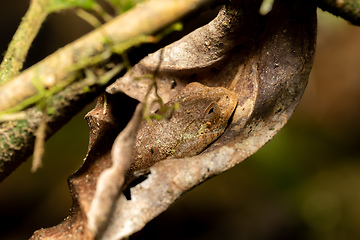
[202, 117]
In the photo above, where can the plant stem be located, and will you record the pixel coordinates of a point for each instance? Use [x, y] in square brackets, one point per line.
[29, 27]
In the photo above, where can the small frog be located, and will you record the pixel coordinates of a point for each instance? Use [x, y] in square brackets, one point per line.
[201, 118]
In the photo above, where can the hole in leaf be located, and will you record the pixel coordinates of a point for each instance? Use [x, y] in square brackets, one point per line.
[133, 183]
[173, 84]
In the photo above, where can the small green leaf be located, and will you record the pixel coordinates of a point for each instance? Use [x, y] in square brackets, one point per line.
[56, 5]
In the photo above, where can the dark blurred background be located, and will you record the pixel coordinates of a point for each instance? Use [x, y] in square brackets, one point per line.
[303, 184]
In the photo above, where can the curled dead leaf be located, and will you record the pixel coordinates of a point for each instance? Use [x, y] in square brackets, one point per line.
[265, 60]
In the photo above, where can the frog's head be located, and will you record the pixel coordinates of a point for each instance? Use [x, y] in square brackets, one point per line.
[215, 117]
[205, 114]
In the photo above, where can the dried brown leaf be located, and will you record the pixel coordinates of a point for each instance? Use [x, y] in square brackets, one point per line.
[266, 60]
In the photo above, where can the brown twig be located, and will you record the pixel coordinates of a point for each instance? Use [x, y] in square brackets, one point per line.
[112, 179]
[145, 19]
[17, 138]
[347, 9]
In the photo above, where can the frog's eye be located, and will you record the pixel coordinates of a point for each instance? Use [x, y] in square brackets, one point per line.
[212, 112]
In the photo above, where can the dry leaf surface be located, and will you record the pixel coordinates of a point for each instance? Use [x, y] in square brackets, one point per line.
[265, 60]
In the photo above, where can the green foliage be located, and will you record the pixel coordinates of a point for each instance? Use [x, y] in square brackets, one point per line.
[57, 5]
[178, 26]
[121, 6]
